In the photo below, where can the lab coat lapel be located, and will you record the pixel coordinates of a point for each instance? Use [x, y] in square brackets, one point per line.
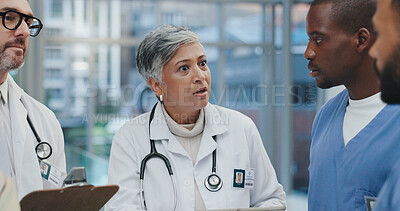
[18, 115]
[214, 125]
[160, 131]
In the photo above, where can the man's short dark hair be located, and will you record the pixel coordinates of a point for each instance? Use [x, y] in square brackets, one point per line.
[351, 15]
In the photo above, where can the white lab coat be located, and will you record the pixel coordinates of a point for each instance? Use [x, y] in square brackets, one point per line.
[238, 144]
[27, 171]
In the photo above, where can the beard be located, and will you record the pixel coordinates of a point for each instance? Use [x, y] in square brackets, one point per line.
[9, 62]
[390, 78]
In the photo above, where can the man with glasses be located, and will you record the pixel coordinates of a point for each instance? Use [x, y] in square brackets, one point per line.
[31, 138]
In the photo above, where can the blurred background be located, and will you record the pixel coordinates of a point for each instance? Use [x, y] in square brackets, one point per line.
[82, 66]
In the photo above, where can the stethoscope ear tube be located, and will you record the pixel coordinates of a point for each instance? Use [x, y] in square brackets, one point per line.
[154, 154]
[141, 193]
[143, 201]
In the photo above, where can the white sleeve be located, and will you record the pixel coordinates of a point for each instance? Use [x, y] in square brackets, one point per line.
[267, 191]
[123, 170]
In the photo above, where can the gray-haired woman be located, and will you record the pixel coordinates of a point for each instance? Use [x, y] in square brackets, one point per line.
[187, 154]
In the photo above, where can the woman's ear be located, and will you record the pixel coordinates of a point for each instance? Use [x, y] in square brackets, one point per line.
[155, 86]
[364, 40]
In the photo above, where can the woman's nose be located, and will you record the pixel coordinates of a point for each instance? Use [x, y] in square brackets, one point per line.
[199, 75]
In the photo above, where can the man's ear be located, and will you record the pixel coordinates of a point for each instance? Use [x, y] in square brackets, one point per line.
[155, 86]
[363, 40]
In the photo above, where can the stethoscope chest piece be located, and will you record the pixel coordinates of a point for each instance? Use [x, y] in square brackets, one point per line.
[43, 150]
[213, 183]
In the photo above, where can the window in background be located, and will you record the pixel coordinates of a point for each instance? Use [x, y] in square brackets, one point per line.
[243, 85]
[56, 8]
[243, 23]
[304, 99]
[203, 20]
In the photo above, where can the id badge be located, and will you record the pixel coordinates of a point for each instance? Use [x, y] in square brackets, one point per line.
[243, 178]
[50, 173]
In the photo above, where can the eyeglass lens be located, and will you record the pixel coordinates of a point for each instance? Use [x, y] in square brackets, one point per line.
[12, 20]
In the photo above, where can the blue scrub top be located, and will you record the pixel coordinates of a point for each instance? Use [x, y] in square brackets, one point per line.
[340, 176]
[389, 196]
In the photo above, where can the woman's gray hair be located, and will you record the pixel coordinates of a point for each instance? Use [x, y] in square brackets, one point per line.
[159, 46]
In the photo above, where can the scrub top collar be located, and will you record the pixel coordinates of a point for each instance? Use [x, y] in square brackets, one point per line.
[214, 123]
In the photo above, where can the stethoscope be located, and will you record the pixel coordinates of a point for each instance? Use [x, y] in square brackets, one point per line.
[43, 149]
[212, 182]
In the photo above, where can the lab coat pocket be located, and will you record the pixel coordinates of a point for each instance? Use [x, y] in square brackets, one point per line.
[241, 197]
[360, 203]
[239, 190]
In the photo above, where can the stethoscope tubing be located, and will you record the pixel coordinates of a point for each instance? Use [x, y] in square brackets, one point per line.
[142, 201]
[41, 146]
[154, 154]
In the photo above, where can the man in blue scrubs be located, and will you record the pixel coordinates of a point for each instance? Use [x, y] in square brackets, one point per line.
[386, 51]
[354, 143]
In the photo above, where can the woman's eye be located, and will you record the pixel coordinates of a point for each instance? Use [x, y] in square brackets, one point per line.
[183, 68]
[203, 63]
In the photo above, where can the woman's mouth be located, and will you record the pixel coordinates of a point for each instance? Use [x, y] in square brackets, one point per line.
[201, 92]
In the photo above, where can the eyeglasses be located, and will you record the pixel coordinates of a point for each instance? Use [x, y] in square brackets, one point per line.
[12, 20]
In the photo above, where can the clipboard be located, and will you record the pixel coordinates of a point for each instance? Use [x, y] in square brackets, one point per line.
[78, 198]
